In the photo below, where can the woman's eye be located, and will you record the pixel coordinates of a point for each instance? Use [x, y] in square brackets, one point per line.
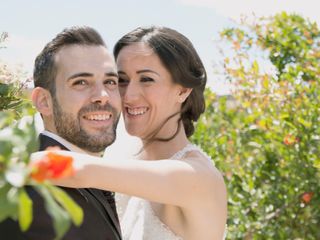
[123, 82]
[146, 79]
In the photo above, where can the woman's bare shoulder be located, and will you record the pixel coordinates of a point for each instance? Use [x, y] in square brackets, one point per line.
[209, 207]
[204, 165]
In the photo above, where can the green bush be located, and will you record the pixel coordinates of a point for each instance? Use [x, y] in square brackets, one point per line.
[265, 137]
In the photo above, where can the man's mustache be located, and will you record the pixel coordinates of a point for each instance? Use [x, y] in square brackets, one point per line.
[97, 107]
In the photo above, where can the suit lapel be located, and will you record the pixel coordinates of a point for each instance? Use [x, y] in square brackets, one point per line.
[46, 142]
[102, 199]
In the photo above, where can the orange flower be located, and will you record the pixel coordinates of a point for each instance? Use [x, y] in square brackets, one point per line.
[228, 175]
[306, 197]
[52, 166]
[289, 140]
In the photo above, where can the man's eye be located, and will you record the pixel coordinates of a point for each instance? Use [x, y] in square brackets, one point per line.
[110, 82]
[79, 82]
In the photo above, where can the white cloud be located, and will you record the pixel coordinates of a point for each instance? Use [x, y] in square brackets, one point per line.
[234, 8]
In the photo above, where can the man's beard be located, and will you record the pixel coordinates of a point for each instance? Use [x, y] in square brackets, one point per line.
[69, 128]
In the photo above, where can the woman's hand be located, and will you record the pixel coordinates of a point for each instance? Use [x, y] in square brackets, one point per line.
[60, 167]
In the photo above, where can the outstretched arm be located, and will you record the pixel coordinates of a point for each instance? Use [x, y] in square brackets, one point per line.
[175, 182]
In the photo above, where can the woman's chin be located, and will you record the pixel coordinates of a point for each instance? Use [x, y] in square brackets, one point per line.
[134, 132]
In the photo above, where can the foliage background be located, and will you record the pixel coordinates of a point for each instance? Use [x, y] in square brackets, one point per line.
[265, 137]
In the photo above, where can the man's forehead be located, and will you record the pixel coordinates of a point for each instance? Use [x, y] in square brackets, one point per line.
[84, 55]
[79, 49]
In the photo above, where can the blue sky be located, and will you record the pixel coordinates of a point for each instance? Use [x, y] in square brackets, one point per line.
[31, 24]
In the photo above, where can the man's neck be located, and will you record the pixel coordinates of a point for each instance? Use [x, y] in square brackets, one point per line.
[69, 145]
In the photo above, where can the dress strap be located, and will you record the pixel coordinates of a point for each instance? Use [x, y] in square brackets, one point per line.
[189, 148]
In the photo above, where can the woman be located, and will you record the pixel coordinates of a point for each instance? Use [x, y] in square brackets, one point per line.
[178, 194]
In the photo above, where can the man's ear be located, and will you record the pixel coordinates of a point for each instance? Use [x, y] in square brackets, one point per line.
[184, 94]
[42, 100]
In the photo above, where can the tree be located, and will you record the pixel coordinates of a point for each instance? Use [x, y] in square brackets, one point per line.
[266, 139]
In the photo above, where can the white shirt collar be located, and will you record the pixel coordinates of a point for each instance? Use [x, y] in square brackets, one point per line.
[68, 145]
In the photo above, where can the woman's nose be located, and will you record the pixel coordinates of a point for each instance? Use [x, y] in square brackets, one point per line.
[130, 93]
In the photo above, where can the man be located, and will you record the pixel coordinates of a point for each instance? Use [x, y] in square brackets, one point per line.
[76, 92]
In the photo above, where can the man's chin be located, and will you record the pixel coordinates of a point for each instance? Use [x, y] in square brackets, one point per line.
[94, 146]
[99, 142]
[97, 131]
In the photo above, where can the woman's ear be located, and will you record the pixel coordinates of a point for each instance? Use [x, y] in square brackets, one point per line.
[42, 100]
[184, 94]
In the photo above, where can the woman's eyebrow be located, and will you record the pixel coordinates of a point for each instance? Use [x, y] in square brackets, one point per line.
[148, 71]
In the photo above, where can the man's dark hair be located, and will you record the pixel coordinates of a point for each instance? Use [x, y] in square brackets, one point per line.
[45, 69]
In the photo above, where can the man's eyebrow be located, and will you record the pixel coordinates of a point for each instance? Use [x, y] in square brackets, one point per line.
[85, 74]
[111, 74]
[82, 74]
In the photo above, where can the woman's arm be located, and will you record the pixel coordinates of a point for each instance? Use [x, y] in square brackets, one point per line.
[176, 182]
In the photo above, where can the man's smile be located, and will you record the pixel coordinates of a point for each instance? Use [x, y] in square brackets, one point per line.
[98, 116]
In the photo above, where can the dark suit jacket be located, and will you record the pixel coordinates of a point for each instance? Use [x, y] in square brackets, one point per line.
[100, 218]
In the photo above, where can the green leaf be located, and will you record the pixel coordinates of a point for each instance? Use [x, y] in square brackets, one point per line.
[15, 103]
[317, 163]
[74, 210]
[4, 89]
[61, 220]
[8, 203]
[25, 210]
[33, 144]
[305, 123]
[255, 67]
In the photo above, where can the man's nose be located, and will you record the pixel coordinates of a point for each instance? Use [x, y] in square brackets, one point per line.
[100, 95]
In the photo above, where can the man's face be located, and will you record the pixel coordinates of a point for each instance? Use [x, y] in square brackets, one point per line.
[87, 103]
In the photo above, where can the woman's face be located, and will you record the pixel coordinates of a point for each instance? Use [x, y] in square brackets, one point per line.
[148, 93]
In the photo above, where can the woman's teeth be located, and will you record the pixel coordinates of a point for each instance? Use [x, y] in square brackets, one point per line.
[137, 111]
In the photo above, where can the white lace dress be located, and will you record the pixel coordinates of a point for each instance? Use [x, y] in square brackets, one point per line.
[137, 218]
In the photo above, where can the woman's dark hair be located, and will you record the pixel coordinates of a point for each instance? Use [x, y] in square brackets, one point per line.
[180, 58]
